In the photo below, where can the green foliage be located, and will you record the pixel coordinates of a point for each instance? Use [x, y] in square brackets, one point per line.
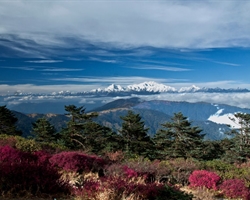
[135, 135]
[180, 170]
[74, 135]
[27, 145]
[43, 131]
[217, 165]
[179, 139]
[241, 148]
[8, 122]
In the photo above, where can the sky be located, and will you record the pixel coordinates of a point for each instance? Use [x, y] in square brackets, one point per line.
[80, 45]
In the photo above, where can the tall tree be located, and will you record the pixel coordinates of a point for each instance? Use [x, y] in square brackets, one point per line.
[75, 135]
[43, 131]
[241, 148]
[135, 134]
[178, 138]
[8, 122]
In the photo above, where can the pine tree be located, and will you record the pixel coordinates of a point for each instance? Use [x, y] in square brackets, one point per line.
[44, 131]
[75, 135]
[241, 148]
[8, 122]
[178, 138]
[135, 134]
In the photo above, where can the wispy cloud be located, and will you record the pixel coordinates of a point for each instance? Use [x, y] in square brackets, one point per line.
[103, 60]
[60, 69]
[179, 24]
[226, 63]
[120, 80]
[157, 67]
[41, 68]
[44, 61]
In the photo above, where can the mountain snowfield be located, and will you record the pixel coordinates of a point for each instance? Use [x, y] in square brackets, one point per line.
[225, 119]
[154, 87]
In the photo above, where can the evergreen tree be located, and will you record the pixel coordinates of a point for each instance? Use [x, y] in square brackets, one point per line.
[241, 148]
[43, 131]
[76, 134]
[179, 138]
[135, 135]
[8, 122]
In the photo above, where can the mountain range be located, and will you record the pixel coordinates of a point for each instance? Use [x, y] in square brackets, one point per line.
[141, 88]
[213, 119]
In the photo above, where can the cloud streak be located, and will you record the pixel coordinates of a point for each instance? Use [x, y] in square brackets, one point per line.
[163, 68]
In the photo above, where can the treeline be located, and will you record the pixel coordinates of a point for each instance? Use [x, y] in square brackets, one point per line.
[176, 138]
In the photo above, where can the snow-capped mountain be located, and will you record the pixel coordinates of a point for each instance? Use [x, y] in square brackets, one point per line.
[150, 86]
[114, 88]
[193, 88]
[153, 87]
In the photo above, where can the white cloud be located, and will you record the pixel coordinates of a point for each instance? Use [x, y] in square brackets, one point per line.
[164, 68]
[60, 69]
[181, 24]
[44, 61]
[234, 99]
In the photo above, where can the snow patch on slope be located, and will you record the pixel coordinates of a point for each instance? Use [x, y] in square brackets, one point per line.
[224, 119]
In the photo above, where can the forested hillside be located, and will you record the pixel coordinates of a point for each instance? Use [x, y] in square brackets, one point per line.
[176, 155]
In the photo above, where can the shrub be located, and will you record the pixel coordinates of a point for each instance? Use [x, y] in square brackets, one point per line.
[218, 166]
[117, 156]
[25, 173]
[235, 188]
[9, 154]
[77, 161]
[180, 170]
[113, 188]
[203, 178]
[27, 145]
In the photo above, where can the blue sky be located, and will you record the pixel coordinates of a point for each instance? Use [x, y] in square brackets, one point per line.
[48, 46]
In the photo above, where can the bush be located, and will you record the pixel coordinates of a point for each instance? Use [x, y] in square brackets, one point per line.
[181, 170]
[203, 178]
[114, 188]
[27, 174]
[235, 188]
[77, 161]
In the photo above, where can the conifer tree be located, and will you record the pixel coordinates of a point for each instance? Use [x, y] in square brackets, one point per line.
[241, 146]
[75, 135]
[8, 122]
[43, 131]
[178, 138]
[135, 134]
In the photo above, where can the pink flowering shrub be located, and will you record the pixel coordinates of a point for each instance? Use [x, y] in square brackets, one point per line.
[129, 173]
[203, 178]
[118, 188]
[77, 161]
[9, 154]
[24, 174]
[88, 190]
[235, 188]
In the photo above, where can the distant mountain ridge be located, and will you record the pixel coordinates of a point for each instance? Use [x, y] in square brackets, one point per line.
[213, 119]
[150, 87]
[153, 87]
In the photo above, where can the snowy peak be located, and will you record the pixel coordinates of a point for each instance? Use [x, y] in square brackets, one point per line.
[150, 86]
[114, 88]
[193, 88]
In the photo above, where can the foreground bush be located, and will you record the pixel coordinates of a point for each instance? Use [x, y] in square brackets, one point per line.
[235, 188]
[181, 170]
[25, 174]
[203, 178]
[114, 188]
[77, 161]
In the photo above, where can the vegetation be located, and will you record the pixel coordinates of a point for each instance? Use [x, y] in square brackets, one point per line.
[8, 122]
[86, 160]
